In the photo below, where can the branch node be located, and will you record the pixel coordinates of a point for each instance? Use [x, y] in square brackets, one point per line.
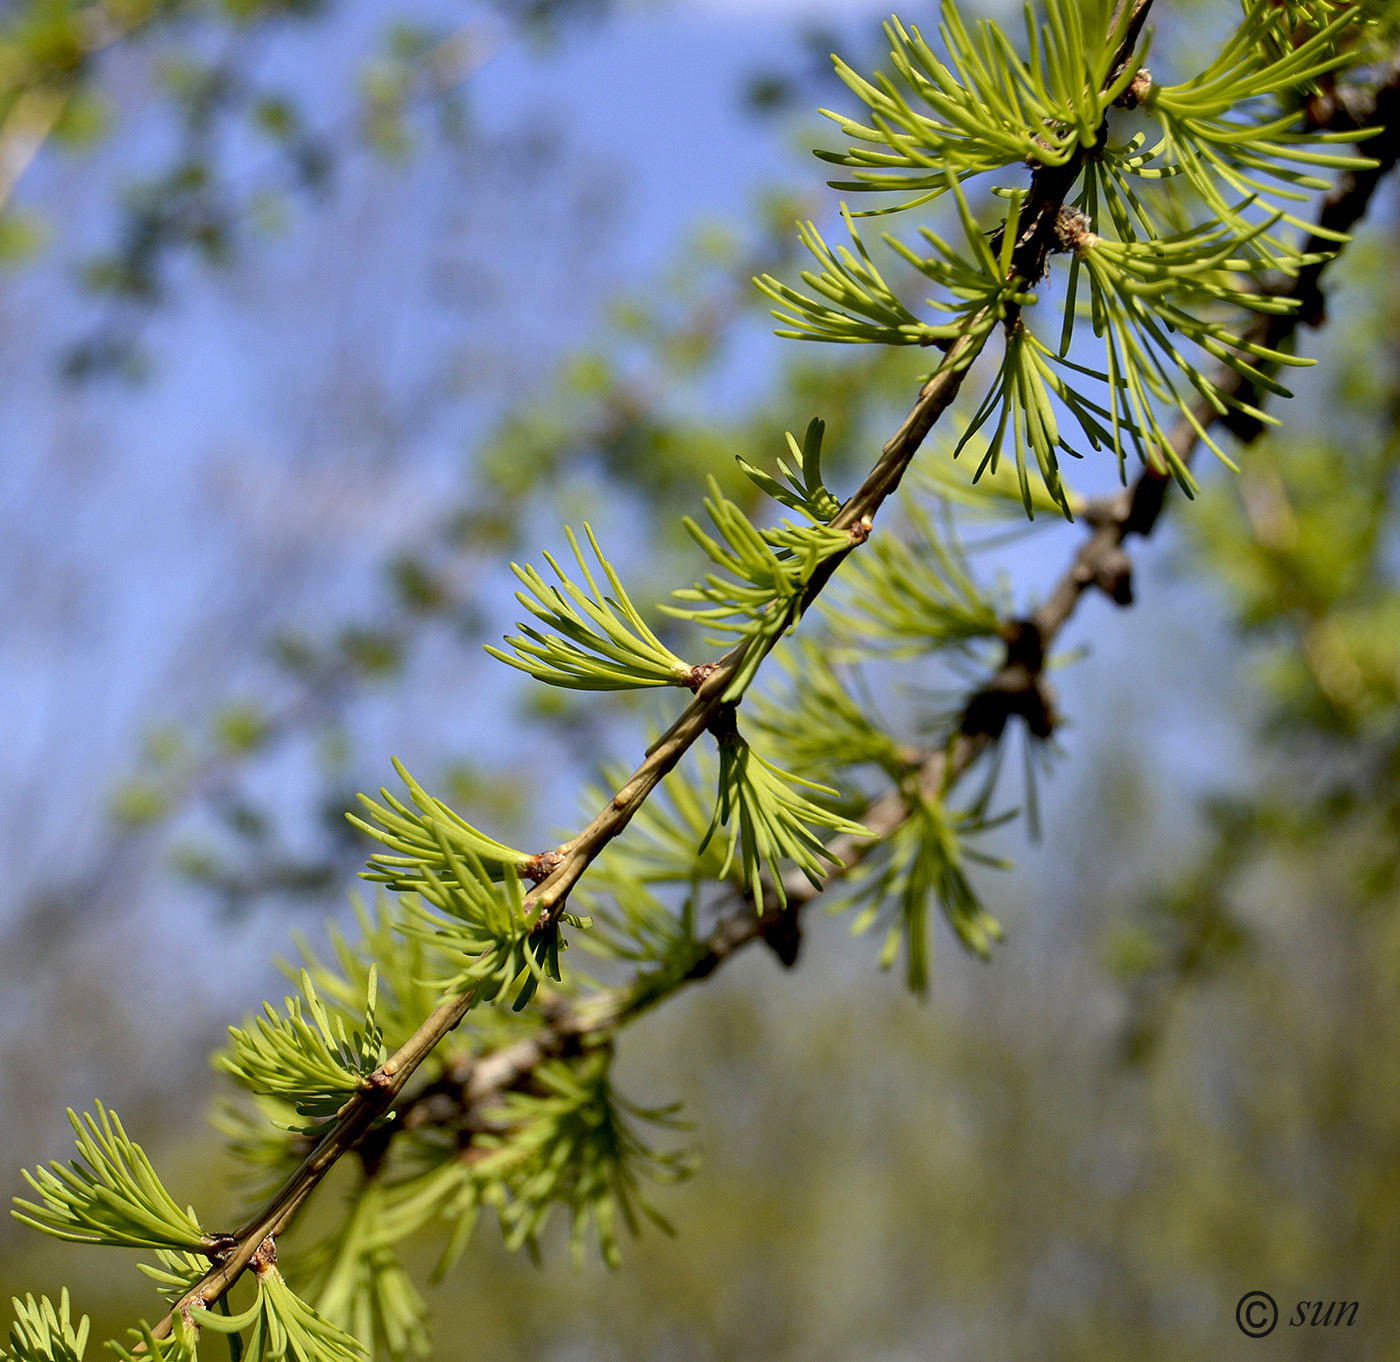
[1139, 91]
[1113, 574]
[1018, 688]
[698, 675]
[220, 1248]
[782, 934]
[724, 724]
[1073, 230]
[1024, 645]
[1112, 510]
[541, 867]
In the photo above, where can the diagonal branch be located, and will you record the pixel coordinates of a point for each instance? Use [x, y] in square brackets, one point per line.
[1098, 562]
[1050, 185]
[1049, 188]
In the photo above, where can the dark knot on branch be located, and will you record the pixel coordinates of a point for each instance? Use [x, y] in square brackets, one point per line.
[1017, 690]
[782, 933]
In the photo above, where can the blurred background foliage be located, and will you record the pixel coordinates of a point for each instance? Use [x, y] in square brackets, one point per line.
[317, 313]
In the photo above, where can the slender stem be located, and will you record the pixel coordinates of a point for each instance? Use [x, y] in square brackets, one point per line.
[856, 516]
